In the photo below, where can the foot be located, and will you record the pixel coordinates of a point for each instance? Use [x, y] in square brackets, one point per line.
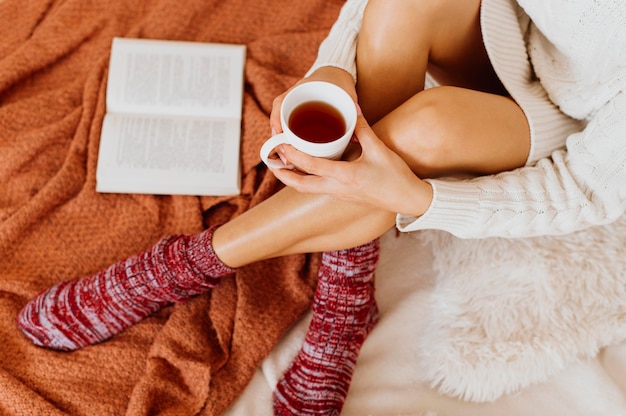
[82, 312]
[344, 313]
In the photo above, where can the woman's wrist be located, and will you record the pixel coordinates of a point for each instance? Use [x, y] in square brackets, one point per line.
[420, 201]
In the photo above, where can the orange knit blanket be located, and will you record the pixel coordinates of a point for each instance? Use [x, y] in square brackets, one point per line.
[191, 358]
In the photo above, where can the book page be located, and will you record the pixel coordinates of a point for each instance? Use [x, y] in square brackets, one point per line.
[176, 78]
[169, 155]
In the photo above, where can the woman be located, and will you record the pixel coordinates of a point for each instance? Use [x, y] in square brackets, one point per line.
[532, 89]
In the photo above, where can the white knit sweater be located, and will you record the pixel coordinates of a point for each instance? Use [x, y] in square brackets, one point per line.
[564, 62]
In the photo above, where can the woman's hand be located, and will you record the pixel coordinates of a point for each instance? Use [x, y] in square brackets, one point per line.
[378, 176]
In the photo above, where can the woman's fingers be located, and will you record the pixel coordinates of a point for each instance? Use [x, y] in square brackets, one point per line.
[313, 174]
[319, 175]
[275, 114]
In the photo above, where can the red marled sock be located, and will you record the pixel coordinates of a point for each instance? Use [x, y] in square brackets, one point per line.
[74, 314]
[344, 312]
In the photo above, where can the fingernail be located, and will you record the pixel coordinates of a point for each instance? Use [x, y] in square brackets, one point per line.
[273, 131]
[281, 155]
[358, 110]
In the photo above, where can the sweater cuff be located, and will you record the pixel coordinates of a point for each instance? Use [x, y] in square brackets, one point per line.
[449, 210]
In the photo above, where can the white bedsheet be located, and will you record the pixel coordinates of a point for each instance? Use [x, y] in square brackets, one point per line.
[387, 378]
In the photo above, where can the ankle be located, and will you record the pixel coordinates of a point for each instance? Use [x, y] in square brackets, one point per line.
[201, 256]
[352, 266]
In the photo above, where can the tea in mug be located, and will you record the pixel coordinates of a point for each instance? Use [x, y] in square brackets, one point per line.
[317, 122]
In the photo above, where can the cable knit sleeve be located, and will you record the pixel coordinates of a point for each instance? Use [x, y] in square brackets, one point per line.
[339, 47]
[580, 186]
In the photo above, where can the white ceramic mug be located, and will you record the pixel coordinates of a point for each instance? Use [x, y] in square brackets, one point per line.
[323, 95]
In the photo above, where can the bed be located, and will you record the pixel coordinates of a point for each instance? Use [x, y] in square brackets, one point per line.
[390, 380]
[489, 327]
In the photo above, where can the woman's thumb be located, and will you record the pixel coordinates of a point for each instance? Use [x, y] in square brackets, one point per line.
[362, 130]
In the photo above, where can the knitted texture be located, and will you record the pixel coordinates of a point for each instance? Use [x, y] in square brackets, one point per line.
[78, 313]
[344, 312]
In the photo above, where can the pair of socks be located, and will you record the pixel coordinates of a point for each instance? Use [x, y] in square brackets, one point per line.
[89, 310]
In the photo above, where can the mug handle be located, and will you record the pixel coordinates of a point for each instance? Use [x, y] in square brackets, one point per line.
[267, 148]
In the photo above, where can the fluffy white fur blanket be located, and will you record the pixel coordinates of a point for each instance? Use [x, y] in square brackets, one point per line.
[506, 313]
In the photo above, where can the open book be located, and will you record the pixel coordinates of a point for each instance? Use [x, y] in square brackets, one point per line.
[173, 122]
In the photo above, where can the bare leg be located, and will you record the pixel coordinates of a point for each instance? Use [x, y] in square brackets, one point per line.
[400, 40]
[291, 222]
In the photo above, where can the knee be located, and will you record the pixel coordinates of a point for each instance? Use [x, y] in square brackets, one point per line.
[374, 35]
[390, 25]
[421, 131]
